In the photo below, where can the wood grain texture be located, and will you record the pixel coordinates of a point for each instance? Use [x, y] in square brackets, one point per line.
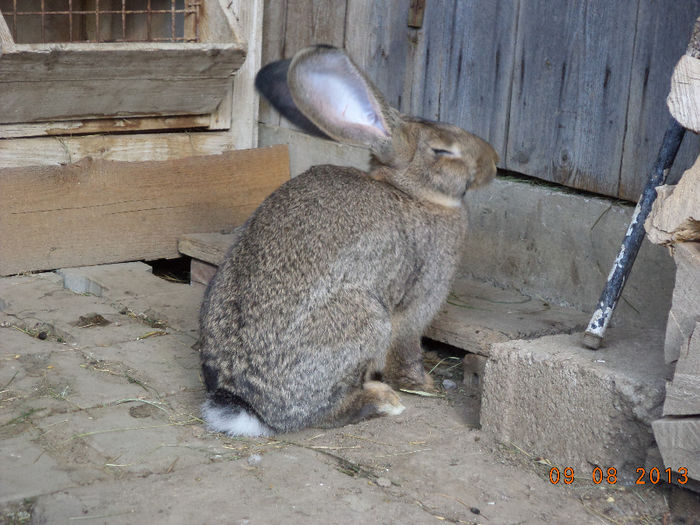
[73, 100]
[663, 32]
[477, 80]
[99, 211]
[567, 92]
[248, 16]
[684, 99]
[274, 35]
[119, 125]
[55, 151]
[569, 100]
[44, 62]
[207, 247]
[381, 52]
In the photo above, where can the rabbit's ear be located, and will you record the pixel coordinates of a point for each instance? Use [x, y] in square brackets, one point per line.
[271, 81]
[336, 96]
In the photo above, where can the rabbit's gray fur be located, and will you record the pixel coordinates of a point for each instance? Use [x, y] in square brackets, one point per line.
[321, 302]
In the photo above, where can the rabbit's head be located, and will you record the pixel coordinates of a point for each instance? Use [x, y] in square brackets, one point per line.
[324, 92]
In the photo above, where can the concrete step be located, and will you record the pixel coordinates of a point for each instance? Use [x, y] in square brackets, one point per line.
[574, 406]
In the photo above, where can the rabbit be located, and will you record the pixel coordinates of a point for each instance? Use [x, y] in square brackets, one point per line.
[318, 309]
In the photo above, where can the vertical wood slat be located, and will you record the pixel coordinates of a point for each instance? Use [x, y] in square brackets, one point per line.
[570, 87]
[310, 22]
[274, 33]
[662, 36]
[479, 67]
[381, 52]
[557, 87]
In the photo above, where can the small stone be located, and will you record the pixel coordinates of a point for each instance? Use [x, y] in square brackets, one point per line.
[448, 384]
[254, 459]
[383, 482]
[42, 335]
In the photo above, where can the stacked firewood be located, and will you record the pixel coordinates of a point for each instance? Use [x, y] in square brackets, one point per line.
[675, 221]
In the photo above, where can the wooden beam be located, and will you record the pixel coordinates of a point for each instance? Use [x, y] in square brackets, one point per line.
[136, 147]
[98, 211]
[110, 125]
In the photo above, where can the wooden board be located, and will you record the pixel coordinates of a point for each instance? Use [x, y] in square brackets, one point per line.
[133, 148]
[208, 247]
[71, 100]
[567, 92]
[463, 76]
[569, 98]
[115, 125]
[245, 99]
[663, 31]
[274, 31]
[98, 211]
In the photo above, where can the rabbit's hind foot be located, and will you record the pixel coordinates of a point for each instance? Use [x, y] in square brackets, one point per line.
[374, 399]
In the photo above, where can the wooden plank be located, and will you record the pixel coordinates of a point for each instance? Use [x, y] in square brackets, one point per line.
[479, 67]
[56, 151]
[201, 272]
[311, 22]
[207, 247]
[98, 211]
[74, 100]
[662, 33]
[427, 58]
[43, 62]
[315, 22]
[274, 34]
[382, 53]
[684, 99]
[244, 128]
[679, 443]
[218, 24]
[570, 92]
[119, 125]
[477, 315]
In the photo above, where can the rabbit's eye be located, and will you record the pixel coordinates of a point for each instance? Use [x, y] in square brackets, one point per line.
[442, 152]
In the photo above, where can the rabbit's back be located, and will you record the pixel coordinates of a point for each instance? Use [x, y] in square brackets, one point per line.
[301, 304]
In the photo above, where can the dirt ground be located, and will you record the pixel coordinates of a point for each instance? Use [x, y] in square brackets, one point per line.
[99, 423]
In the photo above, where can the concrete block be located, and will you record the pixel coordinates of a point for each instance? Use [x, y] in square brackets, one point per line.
[574, 406]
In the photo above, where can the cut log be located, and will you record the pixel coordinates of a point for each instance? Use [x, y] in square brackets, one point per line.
[685, 306]
[675, 215]
[684, 99]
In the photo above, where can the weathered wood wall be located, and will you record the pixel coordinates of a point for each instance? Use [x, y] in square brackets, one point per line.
[569, 92]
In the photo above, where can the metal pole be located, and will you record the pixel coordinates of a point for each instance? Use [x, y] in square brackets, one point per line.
[633, 238]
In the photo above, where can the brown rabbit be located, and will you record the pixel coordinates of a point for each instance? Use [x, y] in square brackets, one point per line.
[321, 302]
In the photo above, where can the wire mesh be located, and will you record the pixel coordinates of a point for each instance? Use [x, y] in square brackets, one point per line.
[44, 21]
